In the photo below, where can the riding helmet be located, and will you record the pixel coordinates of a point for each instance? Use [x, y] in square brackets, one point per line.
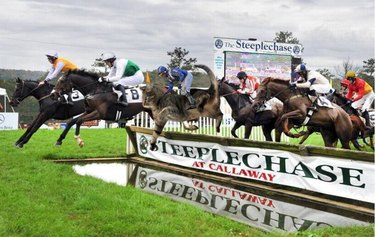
[162, 69]
[107, 56]
[241, 75]
[300, 68]
[52, 54]
[350, 74]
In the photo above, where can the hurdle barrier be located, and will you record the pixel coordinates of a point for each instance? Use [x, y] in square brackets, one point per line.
[335, 174]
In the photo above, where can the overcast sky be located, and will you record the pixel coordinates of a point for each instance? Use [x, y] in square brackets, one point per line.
[331, 31]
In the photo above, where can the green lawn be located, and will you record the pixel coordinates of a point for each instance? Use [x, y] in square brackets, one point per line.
[42, 198]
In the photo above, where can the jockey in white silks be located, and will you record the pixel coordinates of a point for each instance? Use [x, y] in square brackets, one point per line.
[123, 73]
[316, 82]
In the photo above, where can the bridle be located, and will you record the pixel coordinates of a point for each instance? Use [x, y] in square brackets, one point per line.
[21, 98]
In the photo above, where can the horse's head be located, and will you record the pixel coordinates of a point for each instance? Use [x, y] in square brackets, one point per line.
[63, 85]
[85, 82]
[23, 89]
[272, 87]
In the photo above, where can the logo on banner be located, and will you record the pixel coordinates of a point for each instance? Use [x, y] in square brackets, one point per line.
[2, 118]
[142, 179]
[143, 144]
[296, 50]
[219, 43]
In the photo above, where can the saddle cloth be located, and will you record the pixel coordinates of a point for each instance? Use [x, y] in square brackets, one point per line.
[133, 94]
[324, 102]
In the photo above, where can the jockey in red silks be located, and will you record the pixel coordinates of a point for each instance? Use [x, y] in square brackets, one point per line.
[365, 94]
[344, 86]
[248, 85]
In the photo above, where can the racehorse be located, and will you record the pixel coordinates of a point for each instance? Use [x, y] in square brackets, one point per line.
[359, 128]
[48, 108]
[333, 123]
[175, 107]
[100, 99]
[243, 114]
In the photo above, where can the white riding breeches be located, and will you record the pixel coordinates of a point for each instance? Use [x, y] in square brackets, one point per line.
[134, 80]
[365, 102]
[322, 89]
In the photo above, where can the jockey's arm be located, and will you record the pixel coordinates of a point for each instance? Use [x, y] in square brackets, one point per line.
[53, 72]
[304, 85]
[116, 72]
[170, 86]
[360, 93]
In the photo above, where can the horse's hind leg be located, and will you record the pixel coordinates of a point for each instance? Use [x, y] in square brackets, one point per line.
[66, 130]
[235, 127]
[267, 129]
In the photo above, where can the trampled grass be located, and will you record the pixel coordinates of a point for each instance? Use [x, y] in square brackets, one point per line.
[41, 198]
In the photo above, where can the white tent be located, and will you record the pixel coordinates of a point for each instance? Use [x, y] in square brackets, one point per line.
[3, 93]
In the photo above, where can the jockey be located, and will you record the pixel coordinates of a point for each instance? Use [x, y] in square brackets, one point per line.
[248, 85]
[344, 86]
[123, 73]
[58, 65]
[365, 94]
[316, 82]
[184, 79]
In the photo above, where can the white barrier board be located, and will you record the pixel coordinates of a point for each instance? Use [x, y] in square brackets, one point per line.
[346, 178]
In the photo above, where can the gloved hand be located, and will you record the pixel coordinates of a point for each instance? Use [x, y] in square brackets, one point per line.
[349, 102]
[179, 86]
[102, 79]
[292, 85]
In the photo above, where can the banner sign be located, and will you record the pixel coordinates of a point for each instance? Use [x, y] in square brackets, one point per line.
[8, 121]
[252, 209]
[339, 177]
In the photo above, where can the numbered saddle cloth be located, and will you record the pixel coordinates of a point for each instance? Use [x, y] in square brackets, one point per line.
[133, 95]
[324, 102]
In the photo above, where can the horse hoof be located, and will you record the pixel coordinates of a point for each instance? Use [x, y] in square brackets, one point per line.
[58, 143]
[19, 145]
[81, 144]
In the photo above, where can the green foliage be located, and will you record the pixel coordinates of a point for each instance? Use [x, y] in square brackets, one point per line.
[369, 67]
[286, 37]
[178, 59]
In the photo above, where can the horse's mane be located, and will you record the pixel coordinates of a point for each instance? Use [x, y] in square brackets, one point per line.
[83, 72]
[276, 80]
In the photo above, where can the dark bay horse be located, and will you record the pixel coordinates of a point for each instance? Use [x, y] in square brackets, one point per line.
[359, 128]
[333, 124]
[100, 99]
[244, 115]
[48, 108]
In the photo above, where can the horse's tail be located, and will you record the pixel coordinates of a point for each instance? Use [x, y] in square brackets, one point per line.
[214, 88]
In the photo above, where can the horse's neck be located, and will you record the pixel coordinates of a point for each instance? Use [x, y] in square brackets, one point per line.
[235, 101]
[40, 92]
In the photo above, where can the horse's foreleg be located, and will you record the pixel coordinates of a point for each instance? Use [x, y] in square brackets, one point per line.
[219, 119]
[155, 134]
[81, 119]
[35, 125]
[284, 120]
[188, 126]
[248, 128]
[66, 130]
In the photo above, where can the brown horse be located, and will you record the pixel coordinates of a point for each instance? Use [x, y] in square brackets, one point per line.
[100, 100]
[244, 115]
[333, 124]
[175, 107]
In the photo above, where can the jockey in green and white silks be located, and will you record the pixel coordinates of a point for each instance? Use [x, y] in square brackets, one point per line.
[123, 73]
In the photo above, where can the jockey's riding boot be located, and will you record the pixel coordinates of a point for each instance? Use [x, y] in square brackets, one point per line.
[366, 116]
[191, 100]
[122, 100]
